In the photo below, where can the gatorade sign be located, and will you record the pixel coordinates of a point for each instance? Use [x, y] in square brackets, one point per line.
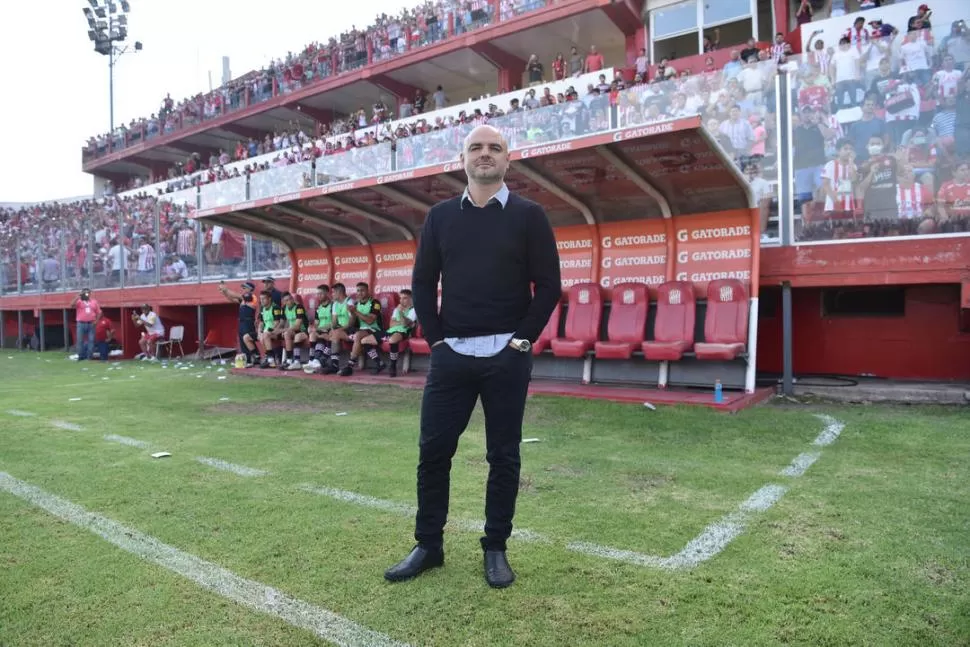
[714, 246]
[575, 245]
[313, 268]
[352, 265]
[393, 263]
[632, 251]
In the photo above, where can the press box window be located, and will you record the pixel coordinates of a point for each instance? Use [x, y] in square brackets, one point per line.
[889, 301]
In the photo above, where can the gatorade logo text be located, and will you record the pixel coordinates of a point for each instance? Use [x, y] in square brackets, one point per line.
[312, 262]
[714, 255]
[394, 258]
[644, 131]
[574, 244]
[713, 232]
[546, 150]
[702, 277]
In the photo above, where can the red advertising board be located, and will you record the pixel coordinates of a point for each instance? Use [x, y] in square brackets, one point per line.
[313, 268]
[393, 263]
[714, 246]
[575, 246]
[351, 265]
[634, 250]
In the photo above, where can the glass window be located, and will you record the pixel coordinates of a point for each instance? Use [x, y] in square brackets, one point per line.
[674, 19]
[718, 11]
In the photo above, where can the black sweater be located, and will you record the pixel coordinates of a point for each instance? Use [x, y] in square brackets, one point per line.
[487, 259]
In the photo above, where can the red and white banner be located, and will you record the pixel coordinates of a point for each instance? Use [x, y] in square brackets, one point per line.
[634, 251]
[393, 263]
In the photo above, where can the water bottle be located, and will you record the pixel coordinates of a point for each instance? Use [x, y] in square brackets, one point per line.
[718, 392]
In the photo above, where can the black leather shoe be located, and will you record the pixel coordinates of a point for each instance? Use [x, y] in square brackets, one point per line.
[418, 561]
[498, 573]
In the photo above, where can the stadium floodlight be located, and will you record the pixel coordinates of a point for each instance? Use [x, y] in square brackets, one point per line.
[108, 36]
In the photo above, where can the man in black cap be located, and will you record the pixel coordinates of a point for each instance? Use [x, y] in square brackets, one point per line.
[269, 283]
[248, 307]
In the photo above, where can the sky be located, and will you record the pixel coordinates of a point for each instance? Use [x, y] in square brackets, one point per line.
[56, 92]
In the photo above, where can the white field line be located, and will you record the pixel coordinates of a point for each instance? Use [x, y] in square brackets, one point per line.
[701, 548]
[67, 426]
[833, 428]
[801, 463]
[405, 510]
[125, 440]
[239, 470]
[20, 414]
[323, 623]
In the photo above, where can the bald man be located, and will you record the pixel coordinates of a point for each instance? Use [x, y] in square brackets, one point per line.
[487, 247]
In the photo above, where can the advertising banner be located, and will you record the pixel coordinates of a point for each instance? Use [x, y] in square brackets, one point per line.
[393, 263]
[575, 246]
[634, 250]
[351, 265]
[313, 268]
[714, 246]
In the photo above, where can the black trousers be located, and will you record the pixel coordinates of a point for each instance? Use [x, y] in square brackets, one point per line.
[455, 382]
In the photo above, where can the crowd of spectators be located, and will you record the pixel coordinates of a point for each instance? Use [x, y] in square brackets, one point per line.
[881, 131]
[428, 22]
[113, 241]
[876, 126]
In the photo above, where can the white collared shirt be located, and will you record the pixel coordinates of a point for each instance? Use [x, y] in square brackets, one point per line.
[482, 345]
[501, 196]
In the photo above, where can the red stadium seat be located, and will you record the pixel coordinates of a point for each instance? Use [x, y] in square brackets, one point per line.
[582, 321]
[726, 323]
[419, 345]
[389, 301]
[550, 332]
[299, 299]
[673, 328]
[629, 307]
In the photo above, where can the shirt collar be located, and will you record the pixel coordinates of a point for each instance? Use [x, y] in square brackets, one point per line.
[501, 196]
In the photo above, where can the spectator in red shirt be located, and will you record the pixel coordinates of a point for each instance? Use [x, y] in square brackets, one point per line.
[87, 312]
[594, 60]
[104, 334]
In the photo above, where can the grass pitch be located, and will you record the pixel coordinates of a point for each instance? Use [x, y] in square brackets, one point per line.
[870, 547]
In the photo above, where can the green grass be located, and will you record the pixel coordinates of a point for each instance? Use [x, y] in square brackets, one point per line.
[870, 547]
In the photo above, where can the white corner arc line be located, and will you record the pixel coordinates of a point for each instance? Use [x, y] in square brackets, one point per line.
[125, 440]
[405, 510]
[238, 470]
[701, 548]
[20, 414]
[718, 535]
[321, 622]
[67, 426]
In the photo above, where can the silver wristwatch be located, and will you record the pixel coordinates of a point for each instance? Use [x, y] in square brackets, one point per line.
[521, 345]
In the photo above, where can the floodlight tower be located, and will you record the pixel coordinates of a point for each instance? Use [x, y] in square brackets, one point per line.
[108, 30]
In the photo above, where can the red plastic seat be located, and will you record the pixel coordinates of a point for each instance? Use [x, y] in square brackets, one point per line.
[582, 321]
[673, 328]
[311, 307]
[419, 345]
[388, 301]
[726, 322]
[550, 332]
[629, 306]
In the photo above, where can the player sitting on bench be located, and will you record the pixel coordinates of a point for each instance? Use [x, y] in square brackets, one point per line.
[402, 324]
[370, 330]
